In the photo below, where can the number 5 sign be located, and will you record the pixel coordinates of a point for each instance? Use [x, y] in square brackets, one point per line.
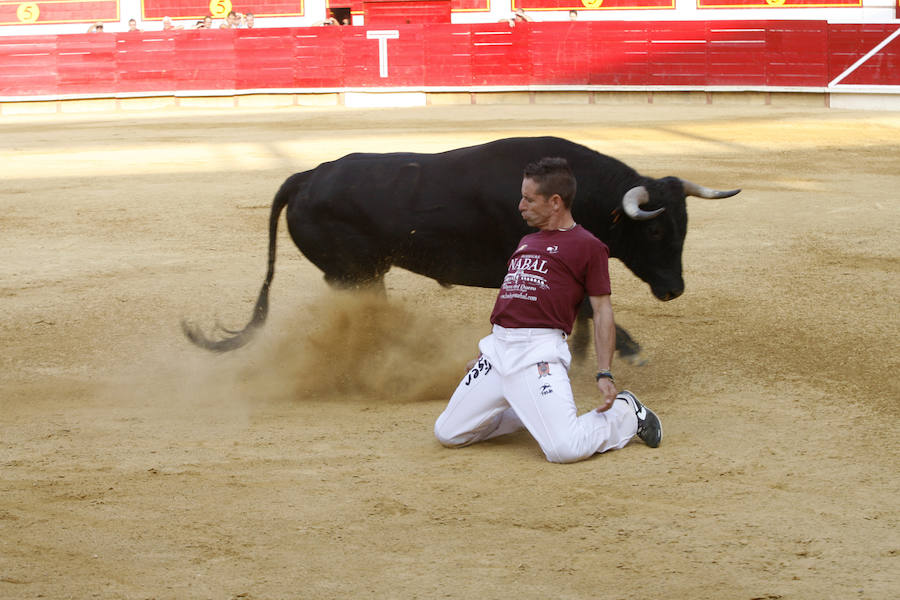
[28, 12]
[219, 8]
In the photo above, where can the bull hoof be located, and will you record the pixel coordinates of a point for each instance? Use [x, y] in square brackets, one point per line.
[636, 359]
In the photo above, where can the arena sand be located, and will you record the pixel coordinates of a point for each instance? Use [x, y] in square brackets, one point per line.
[303, 466]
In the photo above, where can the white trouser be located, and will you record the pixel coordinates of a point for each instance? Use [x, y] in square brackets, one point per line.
[521, 380]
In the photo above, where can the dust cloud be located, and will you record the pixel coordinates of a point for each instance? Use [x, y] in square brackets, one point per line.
[347, 345]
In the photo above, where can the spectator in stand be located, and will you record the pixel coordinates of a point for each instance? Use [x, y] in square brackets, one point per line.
[232, 21]
[201, 24]
[328, 21]
[518, 17]
[132, 25]
[167, 24]
[248, 21]
[95, 28]
[208, 22]
[573, 15]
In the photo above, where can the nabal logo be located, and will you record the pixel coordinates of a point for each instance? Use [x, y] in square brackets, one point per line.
[546, 389]
[552, 249]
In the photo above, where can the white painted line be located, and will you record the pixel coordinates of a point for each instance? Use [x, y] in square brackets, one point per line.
[846, 88]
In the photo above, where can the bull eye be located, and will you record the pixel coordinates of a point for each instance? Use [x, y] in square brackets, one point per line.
[653, 231]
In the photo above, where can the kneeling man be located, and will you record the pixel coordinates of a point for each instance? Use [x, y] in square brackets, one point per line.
[521, 377]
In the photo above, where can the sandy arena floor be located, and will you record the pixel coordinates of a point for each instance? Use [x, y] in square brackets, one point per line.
[135, 465]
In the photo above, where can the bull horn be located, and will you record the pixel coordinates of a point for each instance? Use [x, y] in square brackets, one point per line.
[692, 189]
[631, 204]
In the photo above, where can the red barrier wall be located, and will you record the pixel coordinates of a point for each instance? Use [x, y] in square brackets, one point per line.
[807, 54]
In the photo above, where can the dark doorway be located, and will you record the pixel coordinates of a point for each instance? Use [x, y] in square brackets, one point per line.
[342, 15]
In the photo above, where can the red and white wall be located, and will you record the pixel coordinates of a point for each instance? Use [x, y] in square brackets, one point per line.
[604, 50]
[810, 56]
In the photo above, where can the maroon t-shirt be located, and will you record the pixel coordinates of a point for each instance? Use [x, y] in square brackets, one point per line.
[549, 275]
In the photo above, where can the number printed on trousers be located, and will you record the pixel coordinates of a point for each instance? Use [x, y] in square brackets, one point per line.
[482, 367]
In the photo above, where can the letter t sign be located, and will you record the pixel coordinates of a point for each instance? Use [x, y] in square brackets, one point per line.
[383, 37]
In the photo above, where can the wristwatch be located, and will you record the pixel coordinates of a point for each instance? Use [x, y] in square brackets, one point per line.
[605, 375]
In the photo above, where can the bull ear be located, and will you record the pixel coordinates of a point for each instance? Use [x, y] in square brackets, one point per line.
[631, 204]
[692, 189]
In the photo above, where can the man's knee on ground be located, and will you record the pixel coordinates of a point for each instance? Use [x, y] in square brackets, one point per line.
[452, 439]
[451, 436]
[566, 452]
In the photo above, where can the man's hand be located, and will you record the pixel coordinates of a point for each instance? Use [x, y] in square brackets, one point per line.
[608, 390]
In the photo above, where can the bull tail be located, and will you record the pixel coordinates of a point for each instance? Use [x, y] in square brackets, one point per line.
[226, 339]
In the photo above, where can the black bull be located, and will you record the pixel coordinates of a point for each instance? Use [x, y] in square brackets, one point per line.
[452, 216]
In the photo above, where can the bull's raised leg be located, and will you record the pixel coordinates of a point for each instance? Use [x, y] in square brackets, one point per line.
[582, 336]
[628, 349]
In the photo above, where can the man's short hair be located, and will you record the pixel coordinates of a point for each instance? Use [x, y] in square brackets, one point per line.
[553, 176]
